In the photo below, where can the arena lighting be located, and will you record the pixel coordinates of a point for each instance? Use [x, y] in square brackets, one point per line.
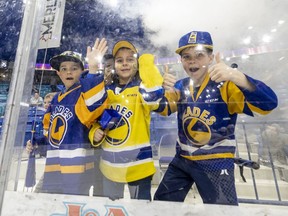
[3, 64]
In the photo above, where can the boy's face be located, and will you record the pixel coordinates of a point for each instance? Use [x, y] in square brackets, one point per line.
[47, 102]
[69, 73]
[108, 67]
[196, 63]
[125, 65]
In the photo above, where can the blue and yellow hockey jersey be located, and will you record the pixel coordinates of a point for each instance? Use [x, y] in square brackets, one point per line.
[127, 152]
[207, 115]
[70, 159]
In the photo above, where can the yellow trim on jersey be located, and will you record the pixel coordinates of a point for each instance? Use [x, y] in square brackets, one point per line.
[94, 91]
[46, 121]
[69, 169]
[85, 115]
[210, 156]
[256, 109]
[62, 96]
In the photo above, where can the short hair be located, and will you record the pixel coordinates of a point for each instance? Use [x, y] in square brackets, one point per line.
[50, 95]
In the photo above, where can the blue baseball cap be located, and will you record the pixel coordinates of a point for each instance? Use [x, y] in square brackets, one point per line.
[195, 38]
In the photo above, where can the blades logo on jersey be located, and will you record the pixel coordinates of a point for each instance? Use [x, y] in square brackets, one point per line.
[119, 133]
[196, 125]
[57, 130]
[58, 125]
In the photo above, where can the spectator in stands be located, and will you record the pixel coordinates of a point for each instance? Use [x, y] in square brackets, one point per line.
[126, 149]
[207, 103]
[36, 99]
[70, 160]
[275, 139]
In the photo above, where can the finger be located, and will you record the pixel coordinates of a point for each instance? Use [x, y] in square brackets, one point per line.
[102, 45]
[166, 69]
[89, 49]
[96, 43]
[218, 58]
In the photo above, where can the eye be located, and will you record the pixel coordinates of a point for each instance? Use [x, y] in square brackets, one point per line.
[185, 57]
[199, 55]
[119, 61]
[130, 59]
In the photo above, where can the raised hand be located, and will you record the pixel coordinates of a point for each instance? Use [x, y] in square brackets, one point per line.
[169, 79]
[95, 54]
[220, 71]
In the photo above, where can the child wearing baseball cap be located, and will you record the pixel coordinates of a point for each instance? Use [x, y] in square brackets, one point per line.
[207, 103]
[126, 149]
[70, 160]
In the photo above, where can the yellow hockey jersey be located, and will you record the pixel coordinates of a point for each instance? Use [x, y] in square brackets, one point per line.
[127, 152]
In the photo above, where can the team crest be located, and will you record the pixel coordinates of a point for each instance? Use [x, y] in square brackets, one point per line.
[196, 131]
[192, 38]
[57, 130]
[119, 133]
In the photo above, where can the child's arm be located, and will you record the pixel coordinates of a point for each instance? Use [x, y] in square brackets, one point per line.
[95, 54]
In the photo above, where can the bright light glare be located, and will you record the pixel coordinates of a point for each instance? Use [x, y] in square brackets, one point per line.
[113, 3]
[266, 38]
[245, 56]
[280, 22]
[250, 27]
[273, 30]
[247, 40]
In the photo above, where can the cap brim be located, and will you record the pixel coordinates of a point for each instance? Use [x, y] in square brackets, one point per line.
[178, 51]
[121, 44]
[57, 60]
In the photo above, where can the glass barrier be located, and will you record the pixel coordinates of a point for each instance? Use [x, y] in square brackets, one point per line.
[201, 120]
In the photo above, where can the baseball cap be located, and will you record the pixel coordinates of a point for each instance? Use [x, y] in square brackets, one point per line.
[66, 56]
[121, 44]
[195, 38]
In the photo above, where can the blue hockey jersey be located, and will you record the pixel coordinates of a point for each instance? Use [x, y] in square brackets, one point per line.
[70, 159]
[207, 115]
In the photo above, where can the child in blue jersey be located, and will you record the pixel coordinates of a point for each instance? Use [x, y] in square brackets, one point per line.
[70, 160]
[207, 103]
[126, 150]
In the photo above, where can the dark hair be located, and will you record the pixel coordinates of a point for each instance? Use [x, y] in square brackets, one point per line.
[107, 57]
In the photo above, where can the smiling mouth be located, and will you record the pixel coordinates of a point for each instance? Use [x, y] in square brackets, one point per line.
[193, 69]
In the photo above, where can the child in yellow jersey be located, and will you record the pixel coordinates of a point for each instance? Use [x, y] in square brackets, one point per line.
[127, 154]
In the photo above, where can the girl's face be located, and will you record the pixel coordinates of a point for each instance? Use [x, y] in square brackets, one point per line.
[69, 73]
[196, 63]
[126, 65]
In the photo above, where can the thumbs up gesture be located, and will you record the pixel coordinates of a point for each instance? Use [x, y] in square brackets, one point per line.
[220, 71]
[169, 79]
